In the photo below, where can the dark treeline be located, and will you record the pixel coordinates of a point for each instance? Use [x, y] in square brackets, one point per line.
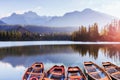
[19, 33]
[17, 36]
[16, 33]
[84, 34]
[55, 36]
[27, 36]
[110, 32]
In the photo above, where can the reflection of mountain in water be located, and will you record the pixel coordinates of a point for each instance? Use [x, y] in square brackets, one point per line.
[29, 54]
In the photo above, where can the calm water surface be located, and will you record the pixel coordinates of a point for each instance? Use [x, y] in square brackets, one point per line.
[15, 60]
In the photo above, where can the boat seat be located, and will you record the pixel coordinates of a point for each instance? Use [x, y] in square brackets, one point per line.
[105, 78]
[75, 74]
[95, 72]
[107, 64]
[76, 78]
[91, 69]
[73, 69]
[111, 70]
[38, 71]
[118, 68]
[34, 73]
[88, 63]
[110, 67]
[116, 75]
[56, 73]
[95, 75]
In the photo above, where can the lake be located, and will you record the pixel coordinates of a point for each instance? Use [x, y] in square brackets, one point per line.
[16, 57]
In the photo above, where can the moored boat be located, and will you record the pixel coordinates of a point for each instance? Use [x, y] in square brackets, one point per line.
[56, 73]
[94, 72]
[75, 73]
[34, 72]
[112, 69]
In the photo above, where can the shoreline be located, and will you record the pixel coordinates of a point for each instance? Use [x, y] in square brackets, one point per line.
[30, 43]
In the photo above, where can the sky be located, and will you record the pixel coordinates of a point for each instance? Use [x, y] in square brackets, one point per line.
[58, 7]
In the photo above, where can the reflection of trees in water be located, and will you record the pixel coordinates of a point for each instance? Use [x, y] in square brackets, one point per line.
[111, 51]
[92, 50]
[17, 51]
[33, 50]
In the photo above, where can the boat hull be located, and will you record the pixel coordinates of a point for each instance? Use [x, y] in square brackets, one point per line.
[75, 73]
[112, 69]
[94, 72]
[34, 72]
[55, 73]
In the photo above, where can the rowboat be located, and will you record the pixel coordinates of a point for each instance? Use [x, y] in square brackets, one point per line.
[55, 73]
[34, 72]
[94, 72]
[112, 69]
[75, 73]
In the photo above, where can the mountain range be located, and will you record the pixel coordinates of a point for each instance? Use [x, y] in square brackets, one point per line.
[75, 18]
[28, 18]
[1, 22]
